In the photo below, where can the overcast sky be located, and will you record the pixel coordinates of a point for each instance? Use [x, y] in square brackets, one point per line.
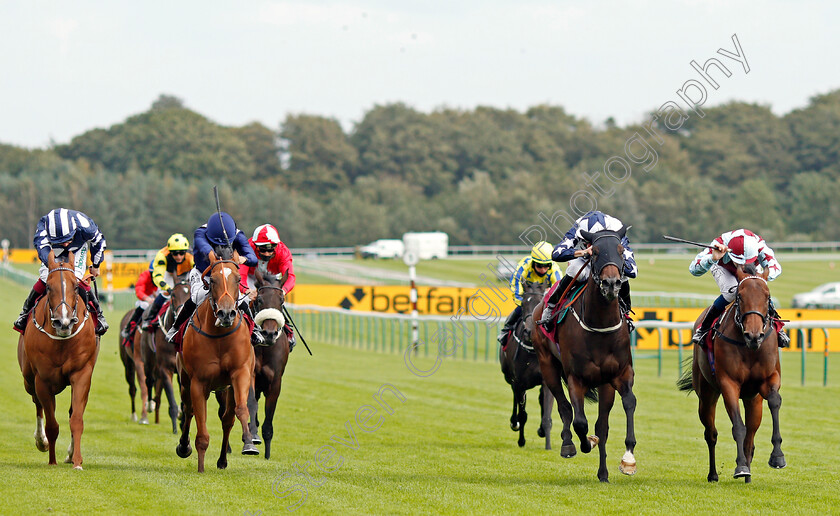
[67, 67]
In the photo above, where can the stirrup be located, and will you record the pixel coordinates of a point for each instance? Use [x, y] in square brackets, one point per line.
[699, 336]
[546, 314]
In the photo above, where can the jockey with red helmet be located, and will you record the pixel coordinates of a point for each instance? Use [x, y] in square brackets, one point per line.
[276, 259]
[732, 248]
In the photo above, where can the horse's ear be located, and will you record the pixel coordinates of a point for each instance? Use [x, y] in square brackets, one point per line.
[258, 274]
[765, 273]
[284, 278]
[623, 231]
[51, 260]
[212, 257]
[236, 256]
[587, 235]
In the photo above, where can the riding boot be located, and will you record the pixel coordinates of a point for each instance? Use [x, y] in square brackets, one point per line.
[153, 312]
[186, 311]
[626, 305]
[552, 301]
[91, 301]
[135, 317]
[28, 305]
[509, 324]
[714, 311]
[290, 333]
[257, 338]
[783, 337]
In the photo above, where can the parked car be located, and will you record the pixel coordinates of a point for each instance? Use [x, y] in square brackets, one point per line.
[383, 248]
[824, 296]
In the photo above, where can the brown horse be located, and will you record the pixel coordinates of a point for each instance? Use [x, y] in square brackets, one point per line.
[59, 348]
[521, 368]
[159, 355]
[216, 354]
[745, 363]
[272, 357]
[593, 352]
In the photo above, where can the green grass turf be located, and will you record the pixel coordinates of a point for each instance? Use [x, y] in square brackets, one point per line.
[447, 449]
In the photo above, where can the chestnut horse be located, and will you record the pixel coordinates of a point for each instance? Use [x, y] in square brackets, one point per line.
[216, 354]
[521, 368]
[592, 351]
[159, 355]
[127, 358]
[59, 348]
[272, 357]
[745, 363]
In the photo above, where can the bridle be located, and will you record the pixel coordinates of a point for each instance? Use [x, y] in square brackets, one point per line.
[213, 302]
[739, 316]
[596, 275]
[53, 319]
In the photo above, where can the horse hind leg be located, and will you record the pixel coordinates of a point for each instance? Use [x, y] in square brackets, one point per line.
[546, 406]
[606, 399]
[228, 418]
[270, 406]
[577, 393]
[253, 407]
[514, 418]
[184, 449]
[41, 441]
[552, 380]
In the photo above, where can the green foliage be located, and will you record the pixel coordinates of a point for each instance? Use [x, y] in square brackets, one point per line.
[482, 175]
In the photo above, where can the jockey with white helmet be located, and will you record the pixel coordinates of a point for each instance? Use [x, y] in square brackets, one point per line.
[732, 248]
[534, 268]
[67, 231]
[576, 250]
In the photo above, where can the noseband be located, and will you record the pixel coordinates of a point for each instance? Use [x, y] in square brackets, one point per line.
[72, 309]
[739, 316]
[213, 302]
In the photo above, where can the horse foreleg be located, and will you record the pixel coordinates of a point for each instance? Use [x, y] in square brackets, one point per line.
[606, 400]
[47, 399]
[730, 391]
[158, 394]
[628, 401]
[80, 389]
[752, 418]
[270, 406]
[253, 407]
[140, 370]
[522, 417]
[198, 396]
[241, 384]
[227, 423]
[546, 406]
[129, 378]
[183, 449]
[551, 370]
[577, 392]
[774, 401]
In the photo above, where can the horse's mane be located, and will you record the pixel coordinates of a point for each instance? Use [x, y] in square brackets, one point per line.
[750, 268]
[62, 258]
[224, 252]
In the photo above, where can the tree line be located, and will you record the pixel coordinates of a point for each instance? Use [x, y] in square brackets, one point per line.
[481, 175]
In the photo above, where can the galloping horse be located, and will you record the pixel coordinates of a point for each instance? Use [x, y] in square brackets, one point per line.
[744, 363]
[55, 355]
[271, 358]
[216, 354]
[522, 369]
[593, 351]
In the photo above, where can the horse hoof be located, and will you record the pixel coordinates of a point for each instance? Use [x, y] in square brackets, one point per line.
[256, 439]
[567, 451]
[249, 449]
[742, 471]
[133, 417]
[42, 444]
[775, 462]
[627, 468]
[183, 451]
[77, 468]
[151, 406]
[540, 432]
[514, 427]
[221, 464]
[593, 440]
[144, 420]
[521, 443]
[68, 460]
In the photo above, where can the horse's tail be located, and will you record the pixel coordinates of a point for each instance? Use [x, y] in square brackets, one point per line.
[590, 396]
[685, 383]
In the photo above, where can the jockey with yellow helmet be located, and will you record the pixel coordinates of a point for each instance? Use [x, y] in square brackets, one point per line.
[169, 263]
[534, 268]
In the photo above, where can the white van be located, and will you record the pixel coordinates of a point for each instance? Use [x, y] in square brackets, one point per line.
[383, 248]
[427, 246]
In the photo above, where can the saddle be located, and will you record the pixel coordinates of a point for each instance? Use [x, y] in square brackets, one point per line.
[558, 313]
[156, 322]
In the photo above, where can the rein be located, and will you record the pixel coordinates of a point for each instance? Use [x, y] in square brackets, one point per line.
[213, 302]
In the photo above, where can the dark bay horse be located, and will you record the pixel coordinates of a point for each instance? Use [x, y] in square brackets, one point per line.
[271, 359]
[216, 354]
[522, 369]
[59, 348]
[593, 352]
[745, 365]
[159, 355]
